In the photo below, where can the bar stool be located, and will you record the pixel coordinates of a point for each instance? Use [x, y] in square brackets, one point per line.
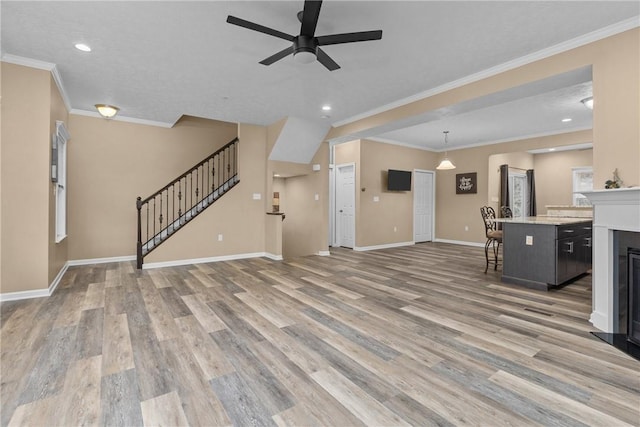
[506, 212]
[494, 236]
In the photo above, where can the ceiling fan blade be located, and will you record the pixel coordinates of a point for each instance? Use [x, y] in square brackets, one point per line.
[310, 16]
[361, 36]
[325, 60]
[259, 28]
[277, 56]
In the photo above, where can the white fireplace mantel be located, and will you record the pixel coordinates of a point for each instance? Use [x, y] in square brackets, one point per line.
[615, 209]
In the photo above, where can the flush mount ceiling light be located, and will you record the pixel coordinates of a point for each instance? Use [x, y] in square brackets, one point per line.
[588, 102]
[446, 164]
[326, 108]
[567, 120]
[107, 111]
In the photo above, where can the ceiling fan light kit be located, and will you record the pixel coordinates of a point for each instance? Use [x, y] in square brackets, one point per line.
[305, 47]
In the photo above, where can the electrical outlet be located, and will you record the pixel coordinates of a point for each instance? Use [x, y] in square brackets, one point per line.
[257, 196]
[219, 237]
[395, 229]
[529, 240]
[316, 197]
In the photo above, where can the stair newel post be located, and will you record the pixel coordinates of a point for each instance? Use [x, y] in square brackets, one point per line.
[139, 244]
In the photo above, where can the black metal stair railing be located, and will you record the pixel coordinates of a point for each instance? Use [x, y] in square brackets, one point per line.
[164, 212]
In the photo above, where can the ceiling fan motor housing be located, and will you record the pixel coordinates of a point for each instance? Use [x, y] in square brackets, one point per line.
[304, 44]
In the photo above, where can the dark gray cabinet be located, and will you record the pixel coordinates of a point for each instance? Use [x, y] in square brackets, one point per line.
[541, 255]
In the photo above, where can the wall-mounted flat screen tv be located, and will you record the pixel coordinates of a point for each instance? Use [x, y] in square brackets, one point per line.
[398, 180]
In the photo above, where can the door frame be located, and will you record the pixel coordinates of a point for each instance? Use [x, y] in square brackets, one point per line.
[433, 202]
[336, 239]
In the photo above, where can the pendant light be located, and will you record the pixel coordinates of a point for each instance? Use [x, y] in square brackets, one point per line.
[446, 164]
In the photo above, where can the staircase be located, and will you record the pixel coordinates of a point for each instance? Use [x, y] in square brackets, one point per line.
[167, 210]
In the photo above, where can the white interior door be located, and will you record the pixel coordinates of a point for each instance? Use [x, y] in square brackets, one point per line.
[345, 205]
[423, 192]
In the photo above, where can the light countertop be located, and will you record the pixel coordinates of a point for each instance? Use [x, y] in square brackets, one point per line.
[543, 220]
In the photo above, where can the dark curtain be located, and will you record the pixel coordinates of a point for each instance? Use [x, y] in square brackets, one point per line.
[504, 187]
[531, 193]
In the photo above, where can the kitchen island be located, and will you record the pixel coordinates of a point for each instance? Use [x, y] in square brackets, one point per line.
[545, 251]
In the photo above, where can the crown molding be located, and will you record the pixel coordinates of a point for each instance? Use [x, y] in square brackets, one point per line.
[585, 39]
[41, 65]
[53, 69]
[479, 144]
[120, 118]
[27, 62]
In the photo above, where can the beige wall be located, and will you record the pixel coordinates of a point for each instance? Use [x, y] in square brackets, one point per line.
[554, 176]
[30, 259]
[306, 227]
[113, 162]
[58, 252]
[390, 220]
[616, 87]
[237, 216]
[616, 112]
[455, 211]
[522, 160]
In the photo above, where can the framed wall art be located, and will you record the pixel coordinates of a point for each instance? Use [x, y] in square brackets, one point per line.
[467, 183]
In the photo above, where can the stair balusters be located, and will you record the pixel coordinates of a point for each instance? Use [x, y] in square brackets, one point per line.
[156, 225]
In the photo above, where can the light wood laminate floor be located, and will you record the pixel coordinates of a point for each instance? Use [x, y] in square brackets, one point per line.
[407, 336]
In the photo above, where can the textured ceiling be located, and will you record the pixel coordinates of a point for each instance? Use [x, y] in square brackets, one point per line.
[160, 60]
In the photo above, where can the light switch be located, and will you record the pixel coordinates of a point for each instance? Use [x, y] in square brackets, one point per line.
[317, 197]
[529, 240]
[257, 196]
[376, 198]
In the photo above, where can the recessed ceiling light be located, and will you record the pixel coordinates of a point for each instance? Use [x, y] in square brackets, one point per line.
[566, 120]
[83, 47]
[326, 108]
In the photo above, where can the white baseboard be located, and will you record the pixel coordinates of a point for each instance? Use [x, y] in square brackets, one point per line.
[386, 246]
[58, 278]
[273, 257]
[36, 293]
[600, 321]
[179, 262]
[460, 242]
[324, 253]
[14, 296]
[90, 261]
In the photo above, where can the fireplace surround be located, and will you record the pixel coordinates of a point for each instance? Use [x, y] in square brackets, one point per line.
[616, 235]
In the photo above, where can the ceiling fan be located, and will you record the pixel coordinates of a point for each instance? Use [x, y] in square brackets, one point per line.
[306, 46]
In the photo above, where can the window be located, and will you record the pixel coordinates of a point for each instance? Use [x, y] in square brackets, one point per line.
[59, 176]
[582, 181]
[518, 194]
